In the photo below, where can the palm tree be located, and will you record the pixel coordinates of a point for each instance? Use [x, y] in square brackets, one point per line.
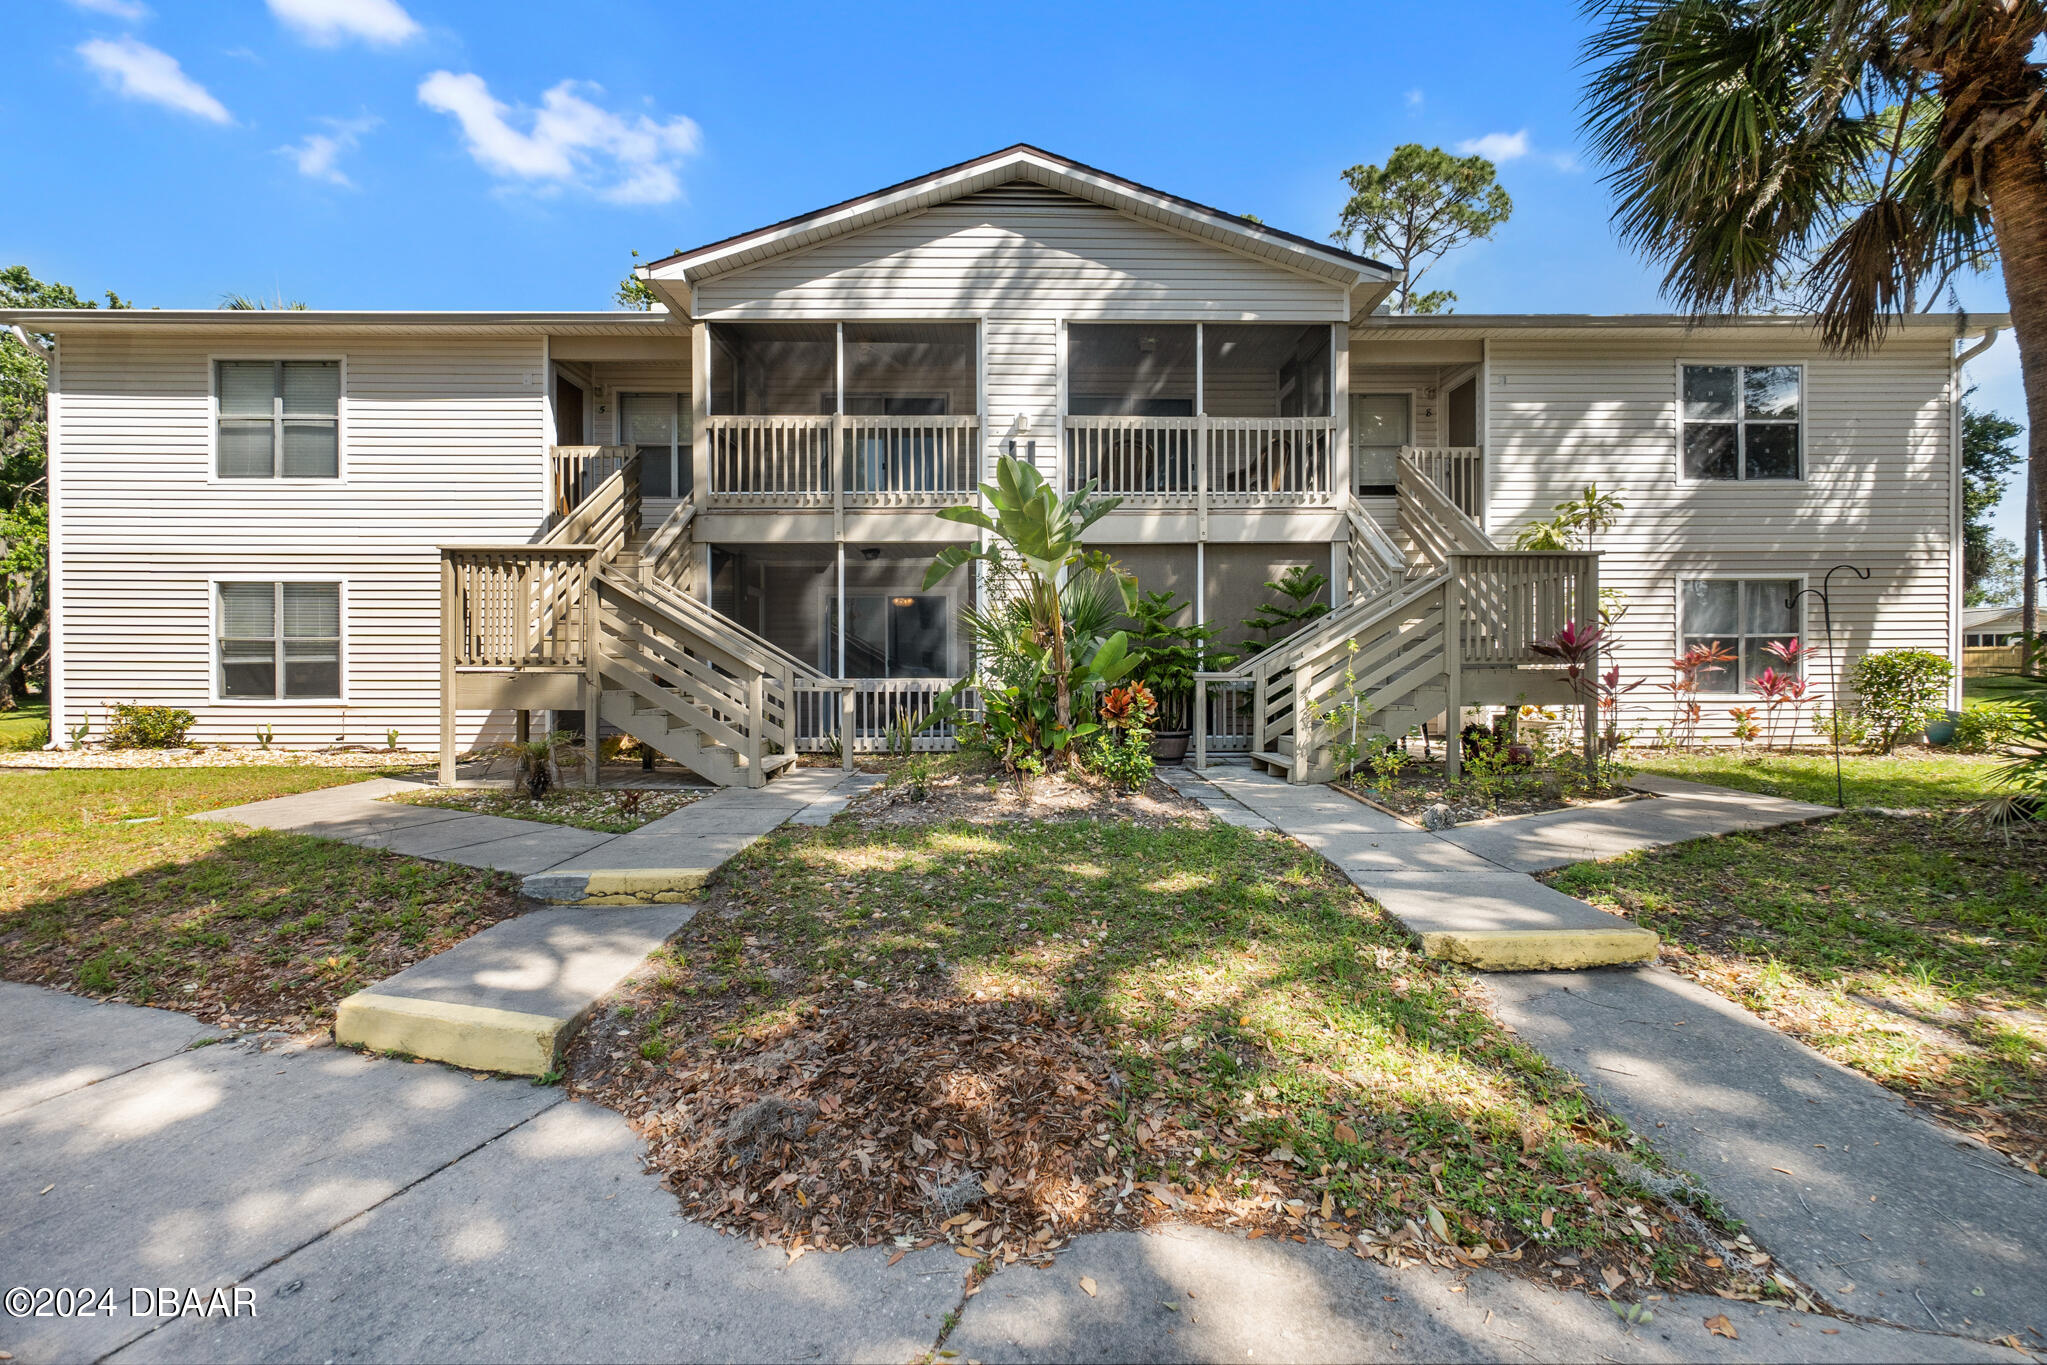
[242, 303]
[1845, 157]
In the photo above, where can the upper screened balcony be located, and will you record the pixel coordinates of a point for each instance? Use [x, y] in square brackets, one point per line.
[858, 414]
[1185, 415]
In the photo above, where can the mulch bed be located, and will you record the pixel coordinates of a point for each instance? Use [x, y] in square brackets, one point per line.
[608, 810]
[1517, 792]
[980, 799]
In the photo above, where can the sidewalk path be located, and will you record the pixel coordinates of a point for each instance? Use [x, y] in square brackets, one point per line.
[387, 1211]
[509, 998]
[1878, 1209]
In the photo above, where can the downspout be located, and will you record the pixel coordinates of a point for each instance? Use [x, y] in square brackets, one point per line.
[1957, 570]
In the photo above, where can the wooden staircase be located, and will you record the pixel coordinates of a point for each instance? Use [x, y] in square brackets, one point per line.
[581, 619]
[1448, 622]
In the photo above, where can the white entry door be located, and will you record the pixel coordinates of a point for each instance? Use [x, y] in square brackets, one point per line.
[1380, 424]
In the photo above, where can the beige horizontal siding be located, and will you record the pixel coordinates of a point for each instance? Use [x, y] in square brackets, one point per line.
[443, 442]
[1877, 493]
[1021, 257]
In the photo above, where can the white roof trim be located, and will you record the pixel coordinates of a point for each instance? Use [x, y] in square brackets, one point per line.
[615, 323]
[1020, 163]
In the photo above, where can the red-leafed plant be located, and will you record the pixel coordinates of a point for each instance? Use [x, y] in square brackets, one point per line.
[1684, 689]
[1577, 647]
[1745, 727]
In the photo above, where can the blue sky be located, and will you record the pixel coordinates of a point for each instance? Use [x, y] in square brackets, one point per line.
[436, 154]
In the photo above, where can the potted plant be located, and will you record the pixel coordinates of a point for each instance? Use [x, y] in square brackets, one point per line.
[1169, 656]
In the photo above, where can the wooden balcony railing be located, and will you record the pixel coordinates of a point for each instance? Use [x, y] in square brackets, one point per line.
[1204, 462]
[838, 462]
[574, 472]
[1508, 600]
[516, 606]
[1145, 460]
[1459, 471]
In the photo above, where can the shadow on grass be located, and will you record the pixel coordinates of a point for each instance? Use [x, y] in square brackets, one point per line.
[259, 927]
[1248, 996]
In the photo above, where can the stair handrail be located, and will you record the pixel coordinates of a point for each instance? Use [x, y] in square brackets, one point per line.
[607, 518]
[758, 651]
[1427, 508]
[1379, 550]
[669, 536]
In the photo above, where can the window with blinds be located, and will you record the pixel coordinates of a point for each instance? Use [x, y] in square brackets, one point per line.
[656, 426]
[280, 640]
[279, 419]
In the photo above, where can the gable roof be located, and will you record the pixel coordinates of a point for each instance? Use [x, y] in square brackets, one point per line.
[1288, 250]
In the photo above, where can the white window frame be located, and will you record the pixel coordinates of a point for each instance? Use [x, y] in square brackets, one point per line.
[1801, 618]
[213, 478]
[680, 447]
[214, 695]
[1741, 478]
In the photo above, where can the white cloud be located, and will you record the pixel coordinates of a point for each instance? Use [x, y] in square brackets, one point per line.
[628, 159]
[1499, 147]
[383, 23]
[1414, 99]
[131, 10]
[318, 154]
[140, 72]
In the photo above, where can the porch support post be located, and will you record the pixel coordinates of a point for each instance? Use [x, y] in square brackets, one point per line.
[845, 728]
[1340, 473]
[839, 645]
[699, 412]
[1200, 437]
[756, 725]
[1304, 723]
[449, 616]
[1588, 608]
[1453, 665]
[1200, 722]
[593, 682]
[841, 446]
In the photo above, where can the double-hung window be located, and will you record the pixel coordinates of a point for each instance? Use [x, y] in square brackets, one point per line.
[278, 419]
[656, 426]
[279, 640]
[1741, 422]
[1743, 616]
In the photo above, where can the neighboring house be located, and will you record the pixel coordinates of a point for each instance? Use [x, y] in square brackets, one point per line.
[1990, 627]
[696, 521]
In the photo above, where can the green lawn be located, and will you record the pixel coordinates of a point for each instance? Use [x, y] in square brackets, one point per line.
[1914, 949]
[108, 890]
[1997, 687]
[1920, 779]
[1252, 1029]
[26, 726]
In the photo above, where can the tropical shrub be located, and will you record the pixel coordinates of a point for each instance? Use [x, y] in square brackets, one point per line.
[1169, 655]
[1899, 691]
[1040, 643]
[1122, 751]
[1989, 725]
[134, 726]
[1296, 601]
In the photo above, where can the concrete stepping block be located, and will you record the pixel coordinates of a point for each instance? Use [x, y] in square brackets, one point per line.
[629, 886]
[1406, 850]
[1503, 921]
[508, 998]
[445, 835]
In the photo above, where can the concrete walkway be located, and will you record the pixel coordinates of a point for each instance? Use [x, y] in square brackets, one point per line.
[509, 998]
[1882, 1212]
[378, 1210]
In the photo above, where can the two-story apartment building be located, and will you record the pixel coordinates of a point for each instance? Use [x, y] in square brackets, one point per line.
[708, 525]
